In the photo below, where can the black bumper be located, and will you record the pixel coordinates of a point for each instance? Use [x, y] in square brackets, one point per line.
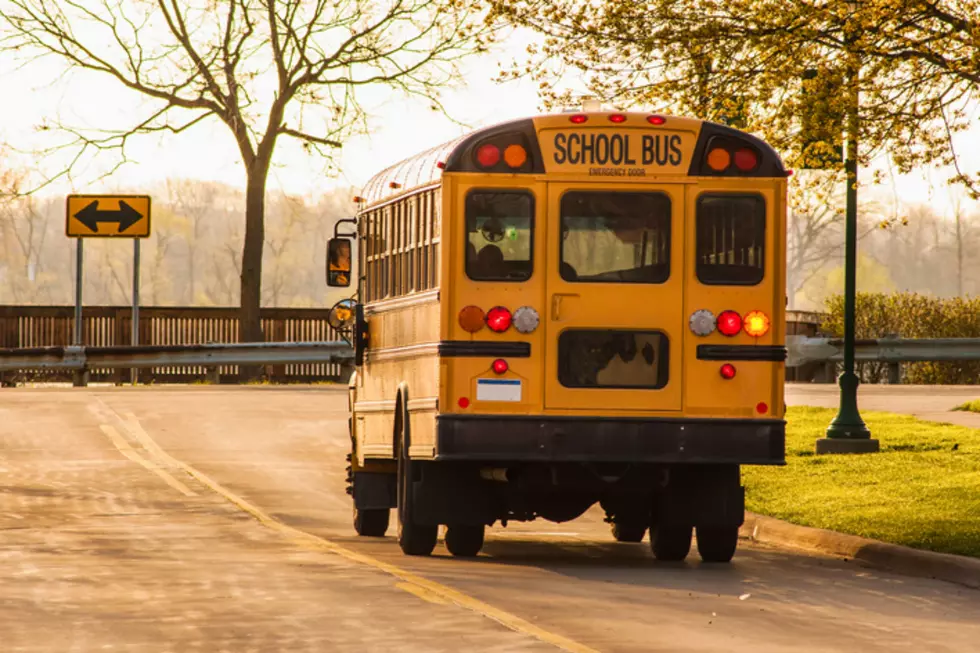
[610, 439]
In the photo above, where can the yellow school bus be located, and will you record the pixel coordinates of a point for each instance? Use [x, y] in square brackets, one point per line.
[566, 310]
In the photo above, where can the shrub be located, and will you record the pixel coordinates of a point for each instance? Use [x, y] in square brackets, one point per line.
[910, 315]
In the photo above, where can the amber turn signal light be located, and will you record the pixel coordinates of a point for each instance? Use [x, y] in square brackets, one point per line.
[471, 319]
[756, 324]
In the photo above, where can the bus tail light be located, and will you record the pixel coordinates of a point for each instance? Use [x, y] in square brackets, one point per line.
[719, 159]
[702, 322]
[488, 155]
[746, 159]
[756, 324]
[729, 323]
[500, 366]
[498, 319]
[471, 319]
[515, 156]
[526, 319]
[727, 371]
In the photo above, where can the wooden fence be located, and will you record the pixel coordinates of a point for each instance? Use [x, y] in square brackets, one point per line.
[44, 326]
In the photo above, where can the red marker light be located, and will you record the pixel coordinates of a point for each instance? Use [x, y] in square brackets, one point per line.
[762, 407]
[488, 155]
[463, 402]
[729, 323]
[746, 159]
[441, 165]
[500, 366]
[656, 120]
[617, 118]
[498, 319]
[578, 118]
[727, 371]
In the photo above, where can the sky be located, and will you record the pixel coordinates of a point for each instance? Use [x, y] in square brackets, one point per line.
[398, 128]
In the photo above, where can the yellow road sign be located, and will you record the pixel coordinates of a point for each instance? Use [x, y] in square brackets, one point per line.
[108, 216]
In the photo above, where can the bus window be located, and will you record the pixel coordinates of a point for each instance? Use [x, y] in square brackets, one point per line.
[499, 235]
[615, 237]
[731, 236]
[612, 359]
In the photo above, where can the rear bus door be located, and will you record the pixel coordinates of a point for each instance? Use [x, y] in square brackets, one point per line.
[614, 297]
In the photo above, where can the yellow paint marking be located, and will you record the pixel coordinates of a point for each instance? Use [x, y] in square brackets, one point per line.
[120, 443]
[422, 593]
[421, 587]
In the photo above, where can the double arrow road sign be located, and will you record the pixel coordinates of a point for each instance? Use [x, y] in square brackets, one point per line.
[108, 216]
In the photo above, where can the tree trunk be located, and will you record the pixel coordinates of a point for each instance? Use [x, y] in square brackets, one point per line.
[250, 326]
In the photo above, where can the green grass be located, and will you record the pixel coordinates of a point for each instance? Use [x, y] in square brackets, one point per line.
[970, 406]
[921, 490]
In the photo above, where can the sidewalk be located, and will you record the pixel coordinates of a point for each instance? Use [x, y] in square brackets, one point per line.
[927, 402]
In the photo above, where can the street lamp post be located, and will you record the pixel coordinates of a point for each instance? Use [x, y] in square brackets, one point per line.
[847, 433]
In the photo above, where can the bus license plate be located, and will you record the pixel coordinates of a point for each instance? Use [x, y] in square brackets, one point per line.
[498, 390]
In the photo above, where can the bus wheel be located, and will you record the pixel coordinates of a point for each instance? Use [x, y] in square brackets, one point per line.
[372, 522]
[670, 543]
[628, 532]
[464, 541]
[414, 539]
[717, 543]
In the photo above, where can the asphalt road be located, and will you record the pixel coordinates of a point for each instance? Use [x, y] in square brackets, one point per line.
[213, 519]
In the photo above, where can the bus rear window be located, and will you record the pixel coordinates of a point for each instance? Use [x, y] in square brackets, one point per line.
[612, 359]
[615, 237]
[731, 237]
[499, 235]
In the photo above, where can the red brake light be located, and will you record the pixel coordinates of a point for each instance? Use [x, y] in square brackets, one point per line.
[617, 118]
[578, 118]
[729, 323]
[727, 371]
[498, 319]
[656, 120]
[500, 366]
[746, 159]
[488, 155]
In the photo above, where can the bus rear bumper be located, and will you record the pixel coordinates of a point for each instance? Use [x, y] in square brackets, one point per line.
[610, 439]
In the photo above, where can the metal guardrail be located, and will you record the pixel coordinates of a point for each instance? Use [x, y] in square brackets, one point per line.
[804, 349]
[80, 358]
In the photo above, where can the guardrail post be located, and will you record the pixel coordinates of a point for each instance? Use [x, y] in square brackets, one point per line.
[894, 368]
[80, 378]
[212, 375]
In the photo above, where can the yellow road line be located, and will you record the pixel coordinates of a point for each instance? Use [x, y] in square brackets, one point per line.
[120, 443]
[422, 587]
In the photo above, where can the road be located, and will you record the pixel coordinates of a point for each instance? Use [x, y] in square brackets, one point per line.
[215, 519]
[933, 403]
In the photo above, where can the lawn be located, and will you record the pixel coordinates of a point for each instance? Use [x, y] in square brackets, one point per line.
[970, 406]
[921, 490]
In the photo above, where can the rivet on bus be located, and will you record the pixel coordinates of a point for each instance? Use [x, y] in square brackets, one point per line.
[471, 319]
[656, 120]
[578, 118]
[729, 323]
[719, 159]
[526, 319]
[617, 118]
[498, 319]
[756, 324]
[488, 155]
[746, 159]
[702, 322]
[515, 156]
[727, 371]
[500, 366]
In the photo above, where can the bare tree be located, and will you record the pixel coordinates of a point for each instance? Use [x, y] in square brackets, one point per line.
[264, 68]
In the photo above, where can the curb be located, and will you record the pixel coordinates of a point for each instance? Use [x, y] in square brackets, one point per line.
[893, 557]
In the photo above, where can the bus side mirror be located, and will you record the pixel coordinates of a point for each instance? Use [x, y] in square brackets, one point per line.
[339, 262]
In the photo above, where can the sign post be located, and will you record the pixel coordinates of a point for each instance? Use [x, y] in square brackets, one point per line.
[107, 216]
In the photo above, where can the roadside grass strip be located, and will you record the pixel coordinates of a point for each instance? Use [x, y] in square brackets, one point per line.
[922, 490]
[969, 407]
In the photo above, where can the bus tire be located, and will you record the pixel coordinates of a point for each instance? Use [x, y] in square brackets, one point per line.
[414, 539]
[670, 543]
[464, 540]
[628, 532]
[717, 543]
[371, 522]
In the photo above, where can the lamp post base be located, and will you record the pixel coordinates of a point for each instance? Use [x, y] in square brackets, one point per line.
[847, 445]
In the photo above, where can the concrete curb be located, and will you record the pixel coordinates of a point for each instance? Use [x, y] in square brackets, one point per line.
[912, 562]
